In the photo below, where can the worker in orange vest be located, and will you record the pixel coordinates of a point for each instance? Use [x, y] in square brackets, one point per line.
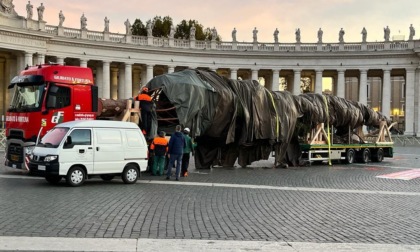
[146, 105]
[159, 147]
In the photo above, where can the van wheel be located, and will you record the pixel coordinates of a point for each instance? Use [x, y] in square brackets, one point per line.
[107, 177]
[130, 174]
[76, 176]
[52, 179]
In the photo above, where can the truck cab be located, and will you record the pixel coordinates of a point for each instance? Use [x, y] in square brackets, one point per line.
[44, 96]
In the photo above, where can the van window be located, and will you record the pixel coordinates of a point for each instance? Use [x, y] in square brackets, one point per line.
[108, 136]
[81, 137]
[134, 138]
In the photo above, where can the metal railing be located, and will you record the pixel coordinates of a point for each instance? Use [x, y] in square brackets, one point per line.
[2, 139]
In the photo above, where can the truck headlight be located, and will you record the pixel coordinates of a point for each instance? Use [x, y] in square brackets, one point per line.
[50, 158]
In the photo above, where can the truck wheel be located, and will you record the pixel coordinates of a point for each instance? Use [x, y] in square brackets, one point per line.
[350, 156]
[76, 176]
[130, 174]
[53, 179]
[365, 156]
[107, 177]
[378, 155]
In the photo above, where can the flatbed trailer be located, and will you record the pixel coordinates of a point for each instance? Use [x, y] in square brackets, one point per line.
[371, 147]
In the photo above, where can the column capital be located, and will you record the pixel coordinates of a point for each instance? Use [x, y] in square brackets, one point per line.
[297, 70]
[319, 70]
[363, 70]
[410, 69]
[276, 70]
[341, 70]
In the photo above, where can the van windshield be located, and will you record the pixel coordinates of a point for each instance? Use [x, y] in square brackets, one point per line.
[53, 138]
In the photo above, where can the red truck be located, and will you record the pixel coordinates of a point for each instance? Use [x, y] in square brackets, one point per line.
[44, 96]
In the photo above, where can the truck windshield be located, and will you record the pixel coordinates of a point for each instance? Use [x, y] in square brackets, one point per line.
[53, 138]
[27, 98]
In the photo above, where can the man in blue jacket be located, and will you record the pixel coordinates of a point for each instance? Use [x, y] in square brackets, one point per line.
[175, 152]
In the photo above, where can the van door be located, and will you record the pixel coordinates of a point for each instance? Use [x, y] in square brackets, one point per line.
[80, 151]
[109, 152]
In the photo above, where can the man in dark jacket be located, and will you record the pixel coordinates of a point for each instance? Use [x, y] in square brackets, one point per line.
[176, 149]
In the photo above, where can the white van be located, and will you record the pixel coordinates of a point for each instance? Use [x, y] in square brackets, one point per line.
[78, 150]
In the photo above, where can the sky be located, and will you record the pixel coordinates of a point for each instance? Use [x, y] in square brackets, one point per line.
[245, 15]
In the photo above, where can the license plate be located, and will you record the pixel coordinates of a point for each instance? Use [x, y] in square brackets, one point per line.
[14, 158]
[41, 167]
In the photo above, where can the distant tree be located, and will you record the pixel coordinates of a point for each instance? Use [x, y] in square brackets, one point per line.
[138, 28]
[161, 26]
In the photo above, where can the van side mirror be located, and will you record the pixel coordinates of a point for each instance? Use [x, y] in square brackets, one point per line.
[68, 144]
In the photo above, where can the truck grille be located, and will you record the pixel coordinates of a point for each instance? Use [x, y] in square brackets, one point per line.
[15, 153]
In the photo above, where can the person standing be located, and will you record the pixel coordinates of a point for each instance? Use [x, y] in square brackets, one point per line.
[159, 147]
[175, 152]
[146, 106]
[188, 148]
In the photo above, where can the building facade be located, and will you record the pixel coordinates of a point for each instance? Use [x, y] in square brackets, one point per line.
[384, 75]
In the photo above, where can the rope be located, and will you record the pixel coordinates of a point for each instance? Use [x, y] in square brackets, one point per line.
[328, 131]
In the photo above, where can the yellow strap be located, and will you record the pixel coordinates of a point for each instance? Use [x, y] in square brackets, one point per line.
[328, 131]
[277, 116]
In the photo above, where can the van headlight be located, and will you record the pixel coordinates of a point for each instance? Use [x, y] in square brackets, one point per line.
[50, 158]
[29, 150]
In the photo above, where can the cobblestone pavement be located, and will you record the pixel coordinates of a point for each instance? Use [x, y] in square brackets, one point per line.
[320, 204]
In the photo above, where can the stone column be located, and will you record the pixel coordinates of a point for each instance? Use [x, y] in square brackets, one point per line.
[60, 60]
[275, 82]
[136, 81]
[128, 81]
[296, 82]
[83, 63]
[99, 80]
[363, 87]
[340, 84]
[318, 81]
[121, 83]
[149, 73]
[386, 93]
[171, 69]
[254, 74]
[234, 73]
[409, 101]
[41, 59]
[29, 59]
[106, 85]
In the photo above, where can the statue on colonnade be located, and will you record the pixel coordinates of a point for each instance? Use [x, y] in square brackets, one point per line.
[341, 36]
[192, 32]
[234, 35]
[7, 7]
[106, 28]
[83, 22]
[276, 36]
[172, 31]
[387, 33]
[364, 35]
[213, 34]
[320, 33]
[297, 33]
[127, 27]
[412, 32]
[29, 10]
[61, 18]
[254, 35]
[40, 10]
[149, 29]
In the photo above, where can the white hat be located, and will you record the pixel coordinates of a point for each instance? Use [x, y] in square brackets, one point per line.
[187, 130]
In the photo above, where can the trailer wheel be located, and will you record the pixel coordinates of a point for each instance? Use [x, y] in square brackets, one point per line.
[365, 156]
[350, 156]
[130, 174]
[378, 155]
[76, 176]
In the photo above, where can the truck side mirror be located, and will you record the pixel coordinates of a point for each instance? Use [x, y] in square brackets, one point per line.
[68, 144]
